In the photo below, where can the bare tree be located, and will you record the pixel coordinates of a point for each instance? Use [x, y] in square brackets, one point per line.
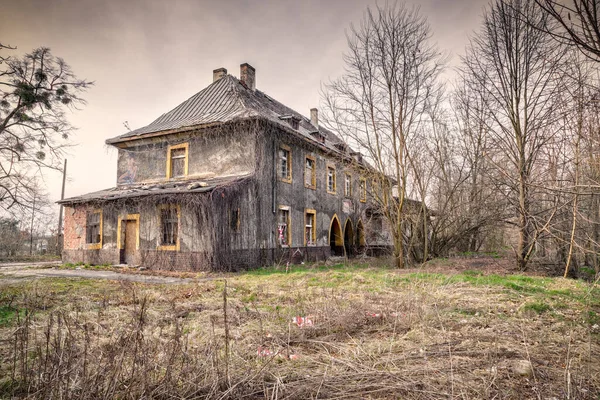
[578, 23]
[391, 73]
[35, 92]
[515, 65]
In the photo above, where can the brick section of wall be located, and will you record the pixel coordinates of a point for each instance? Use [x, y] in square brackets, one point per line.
[75, 227]
[93, 257]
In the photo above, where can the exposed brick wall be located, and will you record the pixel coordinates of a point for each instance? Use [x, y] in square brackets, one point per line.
[93, 257]
[75, 227]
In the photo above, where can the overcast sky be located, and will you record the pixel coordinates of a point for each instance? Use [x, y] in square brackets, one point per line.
[148, 56]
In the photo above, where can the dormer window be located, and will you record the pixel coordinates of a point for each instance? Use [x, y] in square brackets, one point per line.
[318, 136]
[341, 147]
[292, 120]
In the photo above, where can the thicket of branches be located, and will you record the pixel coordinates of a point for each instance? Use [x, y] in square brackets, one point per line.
[507, 159]
[35, 93]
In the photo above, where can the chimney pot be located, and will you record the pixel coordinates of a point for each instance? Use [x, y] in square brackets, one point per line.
[314, 117]
[219, 73]
[248, 76]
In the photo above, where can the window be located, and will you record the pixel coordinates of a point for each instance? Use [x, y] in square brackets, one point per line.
[177, 161]
[169, 227]
[285, 164]
[375, 189]
[363, 190]
[284, 232]
[310, 227]
[93, 235]
[310, 173]
[331, 179]
[234, 219]
[348, 185]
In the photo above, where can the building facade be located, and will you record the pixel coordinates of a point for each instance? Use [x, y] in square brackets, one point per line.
[229, 179]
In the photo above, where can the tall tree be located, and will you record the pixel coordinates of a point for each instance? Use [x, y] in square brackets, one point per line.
[35, 92]
[391, 73]
[516, 67]
[577, 23]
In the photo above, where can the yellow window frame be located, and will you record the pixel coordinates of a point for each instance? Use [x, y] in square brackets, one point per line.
[169, 155]
[347, 190]
[96, 246]
[313, 217]
[289, 224]
[287, 179]
[331, 167]
[169, 247]
[363, 190]
[313, 178]
[129, 217]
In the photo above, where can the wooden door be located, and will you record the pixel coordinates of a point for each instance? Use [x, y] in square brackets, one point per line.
[130, 241]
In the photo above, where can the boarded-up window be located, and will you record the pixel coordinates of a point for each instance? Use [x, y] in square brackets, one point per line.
[283, 227]
[310, 177]
[169, 225]
[178, 157]
[93, 227]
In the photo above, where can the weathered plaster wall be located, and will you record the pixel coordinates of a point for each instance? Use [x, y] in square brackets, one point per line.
[211, 153]
[299, 197]
[207, 239]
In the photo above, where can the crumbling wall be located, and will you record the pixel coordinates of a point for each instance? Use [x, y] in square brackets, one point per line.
[348, 209]
[222, 151]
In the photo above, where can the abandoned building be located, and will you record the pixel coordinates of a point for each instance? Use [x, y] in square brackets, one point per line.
[229, 179]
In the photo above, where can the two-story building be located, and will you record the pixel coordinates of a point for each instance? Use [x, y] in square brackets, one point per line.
[228, 179]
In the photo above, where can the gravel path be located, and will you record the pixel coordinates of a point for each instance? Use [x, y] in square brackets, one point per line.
[13, 272]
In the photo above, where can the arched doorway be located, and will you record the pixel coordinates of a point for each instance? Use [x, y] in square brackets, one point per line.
[336, 240]
[349, 238]
[360, 236]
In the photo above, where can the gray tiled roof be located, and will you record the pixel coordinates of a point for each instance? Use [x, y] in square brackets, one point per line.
[149, 189]
[226, 100]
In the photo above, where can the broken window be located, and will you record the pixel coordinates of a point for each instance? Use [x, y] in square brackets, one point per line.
[177, 161]
[94, 227]
[169, 226]
[284, 237]
[234, 219]
[348, 185]
[285, 164]
[331, 179]
[310, 178]
[363, 190]
[310, 232]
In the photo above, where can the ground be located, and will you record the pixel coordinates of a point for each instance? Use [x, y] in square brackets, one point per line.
[460, 328]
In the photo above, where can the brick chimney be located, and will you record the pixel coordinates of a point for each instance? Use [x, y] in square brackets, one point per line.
[248, 75]
[219, 73]
[314, 117]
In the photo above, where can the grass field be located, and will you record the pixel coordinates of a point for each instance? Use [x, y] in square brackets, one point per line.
[319, 331]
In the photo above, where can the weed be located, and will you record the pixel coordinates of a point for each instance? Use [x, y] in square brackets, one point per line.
[537, 307]
[8, 315]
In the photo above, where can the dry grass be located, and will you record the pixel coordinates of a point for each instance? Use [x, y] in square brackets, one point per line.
[376, 333]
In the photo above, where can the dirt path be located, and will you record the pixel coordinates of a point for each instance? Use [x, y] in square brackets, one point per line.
[10, 273]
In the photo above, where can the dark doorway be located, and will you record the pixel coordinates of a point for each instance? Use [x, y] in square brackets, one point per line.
[336, 240]
[349, 238]
[129, 241]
